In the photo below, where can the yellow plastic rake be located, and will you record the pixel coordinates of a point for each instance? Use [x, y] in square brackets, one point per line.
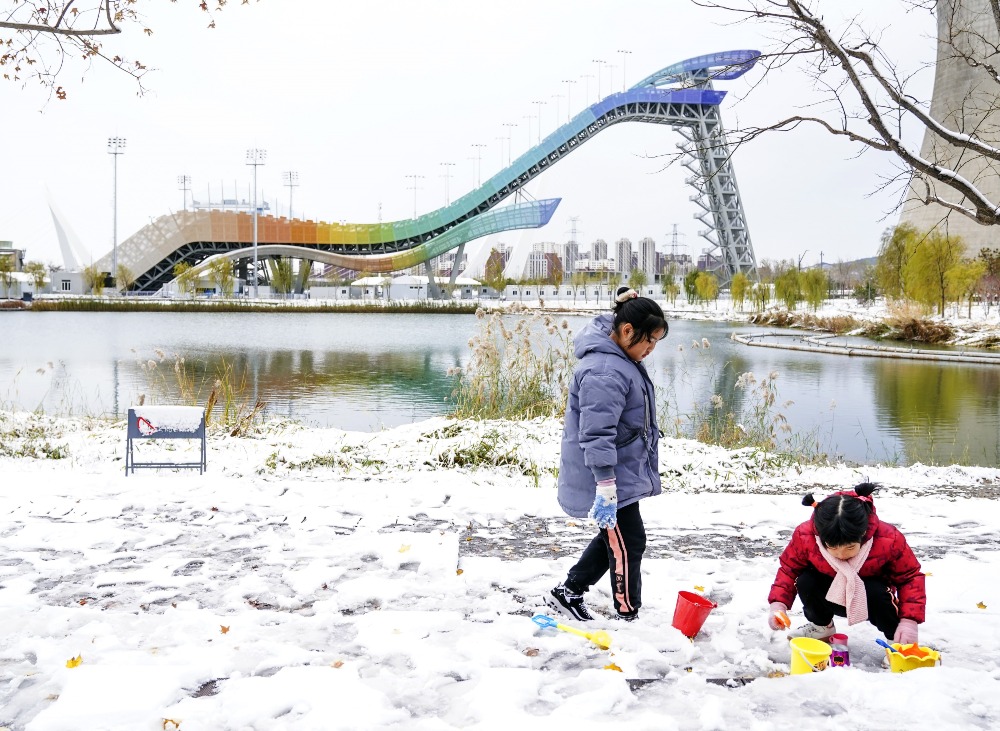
[600, 638]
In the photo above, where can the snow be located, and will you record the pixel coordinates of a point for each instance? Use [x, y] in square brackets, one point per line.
[168, 418]
[322, 579]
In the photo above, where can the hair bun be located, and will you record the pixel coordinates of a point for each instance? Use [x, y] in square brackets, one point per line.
[865, 489]
[625, 294]
[808, 500]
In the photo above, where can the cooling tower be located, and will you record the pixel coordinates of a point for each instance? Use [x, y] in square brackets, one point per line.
[965, 99]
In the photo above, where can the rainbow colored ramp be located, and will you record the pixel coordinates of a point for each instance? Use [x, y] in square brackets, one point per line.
[680, 95]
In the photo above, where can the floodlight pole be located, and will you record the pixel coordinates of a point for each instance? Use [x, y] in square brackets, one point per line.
[291, 179]
[255, 157]
[116, 147]
[184, 181]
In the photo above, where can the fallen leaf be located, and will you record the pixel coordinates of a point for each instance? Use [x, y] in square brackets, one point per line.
[981, 605]
[74, 662]
[459, 572]
[82, 602]
[404, 548]
[468, 538]
[699, 588]
[214, 509]
[928, 573]
[224, 629]
[172, 722]
[612, 666]
[531, 652]
[337, 664]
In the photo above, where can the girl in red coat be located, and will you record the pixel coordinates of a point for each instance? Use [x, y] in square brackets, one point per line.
[846, 562]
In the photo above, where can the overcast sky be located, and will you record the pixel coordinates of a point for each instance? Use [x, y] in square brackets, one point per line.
[356, 97]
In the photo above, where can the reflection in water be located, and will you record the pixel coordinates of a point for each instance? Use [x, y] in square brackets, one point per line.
[366, 371]
[940, 413]
[308, 386]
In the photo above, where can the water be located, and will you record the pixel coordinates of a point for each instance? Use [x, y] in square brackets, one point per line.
[368, 371]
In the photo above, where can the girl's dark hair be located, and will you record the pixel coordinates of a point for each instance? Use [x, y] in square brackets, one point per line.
[642, 313]
[842, 519]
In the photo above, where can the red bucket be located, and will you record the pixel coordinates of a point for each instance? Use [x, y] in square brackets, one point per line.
[691, 612]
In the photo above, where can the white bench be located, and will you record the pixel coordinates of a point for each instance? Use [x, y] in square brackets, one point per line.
[165, 422]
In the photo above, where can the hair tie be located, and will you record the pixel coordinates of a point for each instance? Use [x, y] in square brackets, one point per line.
[628, 294]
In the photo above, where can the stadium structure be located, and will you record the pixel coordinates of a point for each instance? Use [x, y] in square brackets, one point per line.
[681, 95]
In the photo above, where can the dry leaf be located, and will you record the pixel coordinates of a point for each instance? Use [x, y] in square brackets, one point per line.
[981, 605]
[468, 538]
[531, 652]
[74, 662]
[404, 548]
[172, 722]
[699, 588]
[82, 602]
[928, 573]
[224, 629]
[612, 666]
[337, 664]
[459, 572]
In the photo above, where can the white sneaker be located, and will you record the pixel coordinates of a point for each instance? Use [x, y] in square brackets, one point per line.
[814, 631]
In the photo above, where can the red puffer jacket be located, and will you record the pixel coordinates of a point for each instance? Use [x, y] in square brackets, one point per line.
[889, 560]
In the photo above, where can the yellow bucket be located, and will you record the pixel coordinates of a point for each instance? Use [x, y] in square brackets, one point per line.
[809, 655]
[901, 663]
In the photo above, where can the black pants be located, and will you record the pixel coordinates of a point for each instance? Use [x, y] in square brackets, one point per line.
[619, 550]
[883, 609]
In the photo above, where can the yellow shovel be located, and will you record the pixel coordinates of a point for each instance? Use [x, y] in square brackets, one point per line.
[600, 638]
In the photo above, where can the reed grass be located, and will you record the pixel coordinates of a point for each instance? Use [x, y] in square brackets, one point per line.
[227, 400]
[519, 372]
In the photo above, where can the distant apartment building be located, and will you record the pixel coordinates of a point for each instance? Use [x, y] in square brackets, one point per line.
[570, 256]
[646, 260]
[598, 250]
[623, 256]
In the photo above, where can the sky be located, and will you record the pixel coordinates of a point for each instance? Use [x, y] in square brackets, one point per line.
[315, 579]
[358, 98]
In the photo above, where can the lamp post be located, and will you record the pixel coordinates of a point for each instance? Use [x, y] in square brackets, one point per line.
[539, 104]
[116, 147]
[447, 179]
[291, 179]
[415, 187]
[569, 99]
[527, 119]
[624, 54]
[599, 63]
[255, 157]
[479, 161]
[184, 181]
[510, 126]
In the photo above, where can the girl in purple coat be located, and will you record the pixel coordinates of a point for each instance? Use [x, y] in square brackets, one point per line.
[610, 457]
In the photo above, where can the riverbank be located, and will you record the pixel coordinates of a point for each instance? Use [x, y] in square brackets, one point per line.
[879, 320]
[317, 578]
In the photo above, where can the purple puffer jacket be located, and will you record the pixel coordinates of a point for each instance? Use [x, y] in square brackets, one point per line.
[610, 426]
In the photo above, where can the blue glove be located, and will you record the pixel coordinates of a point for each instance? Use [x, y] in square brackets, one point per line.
[605, 510]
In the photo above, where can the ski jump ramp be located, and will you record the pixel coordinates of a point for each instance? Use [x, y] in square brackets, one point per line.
[681, 95]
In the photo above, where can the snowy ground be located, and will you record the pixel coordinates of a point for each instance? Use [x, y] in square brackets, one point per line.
[320, 579]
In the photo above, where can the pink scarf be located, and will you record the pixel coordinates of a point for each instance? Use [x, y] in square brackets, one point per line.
[848, 589]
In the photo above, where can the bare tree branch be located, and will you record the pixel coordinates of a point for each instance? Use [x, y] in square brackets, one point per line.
[850, 68]
[34, 50]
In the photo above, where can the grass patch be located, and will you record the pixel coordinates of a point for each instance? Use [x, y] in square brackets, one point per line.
[32, 440]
